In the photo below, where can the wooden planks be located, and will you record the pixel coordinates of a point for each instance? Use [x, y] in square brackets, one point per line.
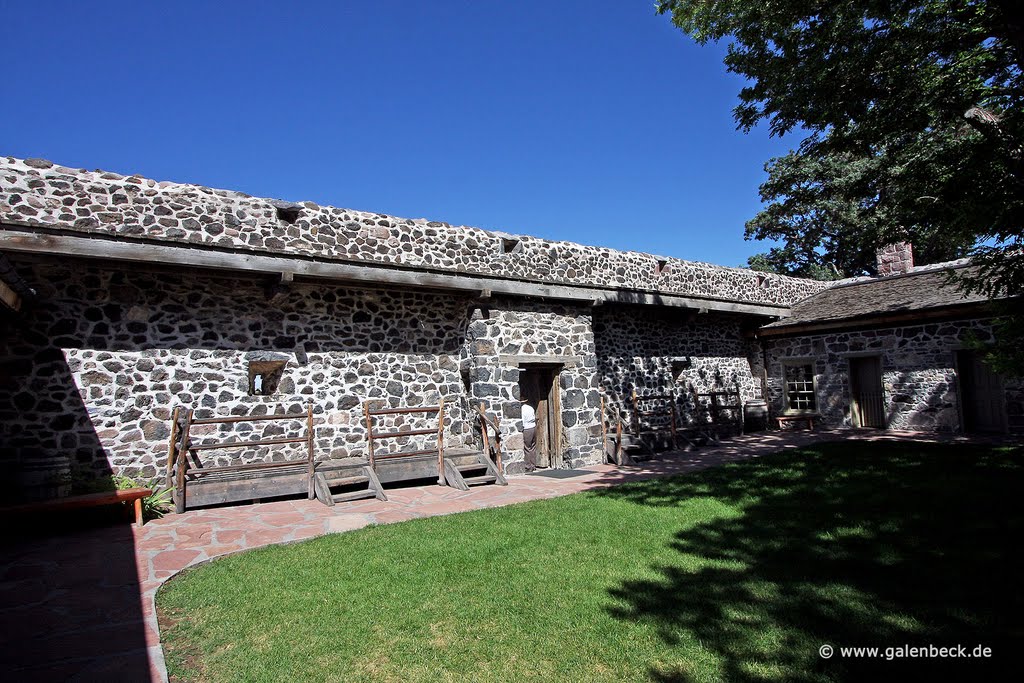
[230, 489]
[495, 424]
[661, 411]
[372, 434]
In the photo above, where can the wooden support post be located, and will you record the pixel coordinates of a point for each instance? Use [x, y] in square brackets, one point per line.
[618, 440]
[369, 433]
[498, 461]
[179, 488]
[440, 442]
[172, 448]
[483, 430]
[672, 420]
[310, 465]
[636, 413]
[604, 434]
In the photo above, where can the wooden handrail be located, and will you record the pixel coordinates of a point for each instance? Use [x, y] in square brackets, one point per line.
[406, 454]
[243, 444]
[369, 413]
[246, 418]
[495, 424]
[249, 466]
[403, 411]
[408, 432]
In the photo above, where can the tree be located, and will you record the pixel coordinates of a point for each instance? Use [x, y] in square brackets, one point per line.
[814, 204]
[914, 120]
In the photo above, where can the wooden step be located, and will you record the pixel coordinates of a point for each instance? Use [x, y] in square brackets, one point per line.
[471, 466]
[354, 495]
[348, 481]
[483, 479]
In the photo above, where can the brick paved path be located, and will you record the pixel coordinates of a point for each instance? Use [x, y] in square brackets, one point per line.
[79, 606]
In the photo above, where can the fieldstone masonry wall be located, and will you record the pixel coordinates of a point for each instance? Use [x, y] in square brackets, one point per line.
[919, 380]
[39, 193]
[508, 336]
[92, 368]
[93, 371]
[642, 350]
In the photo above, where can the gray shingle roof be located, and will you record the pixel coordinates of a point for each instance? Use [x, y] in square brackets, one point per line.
[859, 302]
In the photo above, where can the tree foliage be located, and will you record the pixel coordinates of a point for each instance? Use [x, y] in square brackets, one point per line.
[913, 117]
[914, 122]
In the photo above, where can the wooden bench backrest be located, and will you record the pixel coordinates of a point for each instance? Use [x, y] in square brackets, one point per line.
[429, 412]
[181, 446]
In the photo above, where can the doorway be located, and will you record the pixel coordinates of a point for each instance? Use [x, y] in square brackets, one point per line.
[866, 402]
[539, 385]
[981, 395]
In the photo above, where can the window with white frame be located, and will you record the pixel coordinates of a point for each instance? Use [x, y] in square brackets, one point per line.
[798, 378]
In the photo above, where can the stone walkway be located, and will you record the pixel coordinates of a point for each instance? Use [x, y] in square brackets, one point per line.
[79, 606]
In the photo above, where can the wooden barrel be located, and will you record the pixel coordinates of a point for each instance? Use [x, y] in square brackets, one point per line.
[755, 416]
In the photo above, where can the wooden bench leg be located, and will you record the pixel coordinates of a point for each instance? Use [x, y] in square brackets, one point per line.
[138, 511]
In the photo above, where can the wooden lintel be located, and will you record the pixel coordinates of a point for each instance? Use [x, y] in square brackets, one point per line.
[30, 239]
[9, 297]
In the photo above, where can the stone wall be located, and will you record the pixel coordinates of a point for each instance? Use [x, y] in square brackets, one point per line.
[508, 336]
[647, 350]
[93, 369]
[919, 380]
[38, 193]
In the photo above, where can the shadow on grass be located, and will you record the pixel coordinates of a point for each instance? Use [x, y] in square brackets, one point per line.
[853, 544]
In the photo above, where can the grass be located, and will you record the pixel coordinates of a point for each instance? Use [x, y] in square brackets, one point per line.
[735, 573]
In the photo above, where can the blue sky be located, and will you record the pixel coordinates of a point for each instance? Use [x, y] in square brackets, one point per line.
[596, 122]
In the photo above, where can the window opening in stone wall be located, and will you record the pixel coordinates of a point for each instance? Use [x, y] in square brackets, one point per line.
[264, 376]
[679, 365]
[511, 246]
[800, 395]
[287, 211]
[661, 267]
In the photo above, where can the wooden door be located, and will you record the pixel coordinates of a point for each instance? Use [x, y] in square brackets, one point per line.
[541, 390]
[866, 392]
[981, 395]
[554, 420]
[543, 422]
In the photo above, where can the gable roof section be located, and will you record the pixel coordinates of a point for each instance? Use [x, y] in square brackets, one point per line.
[922, 295]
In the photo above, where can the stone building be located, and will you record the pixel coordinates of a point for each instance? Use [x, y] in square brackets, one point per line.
[125, 297]
[892, 352]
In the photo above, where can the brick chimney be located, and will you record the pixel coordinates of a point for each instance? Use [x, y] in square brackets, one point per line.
[895, 259]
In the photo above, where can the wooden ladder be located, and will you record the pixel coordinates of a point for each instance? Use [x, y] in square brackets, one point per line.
[482, 471]
[322, 487]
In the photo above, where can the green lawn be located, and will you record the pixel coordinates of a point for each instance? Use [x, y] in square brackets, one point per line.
[735, 573]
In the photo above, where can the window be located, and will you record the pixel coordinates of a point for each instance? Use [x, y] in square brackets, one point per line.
[679, 364]
[799, 394]
[264, 376]
[511, 246]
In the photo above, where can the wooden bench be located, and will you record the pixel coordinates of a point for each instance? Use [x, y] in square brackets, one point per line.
[84, 501]
[808, 419]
